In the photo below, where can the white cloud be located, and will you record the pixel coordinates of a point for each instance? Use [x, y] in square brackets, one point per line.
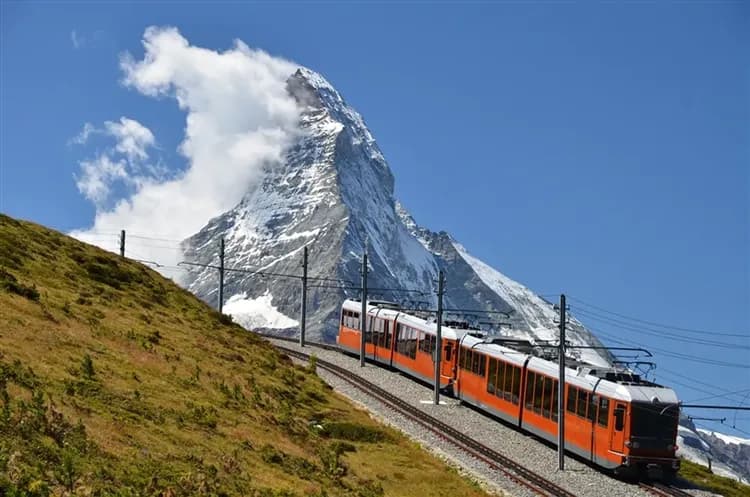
[124, 162]
[239, 118]
[97, 176]
[132, 138]
[77, 40]
[82, 137]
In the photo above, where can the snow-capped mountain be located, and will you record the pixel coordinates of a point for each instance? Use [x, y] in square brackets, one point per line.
[726, 455]
[334, 193]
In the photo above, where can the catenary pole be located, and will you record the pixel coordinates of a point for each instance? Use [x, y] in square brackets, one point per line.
[122, 243]
[303, 310]
[363, 315]
[221, 276]
[561, 391]
[439, 342]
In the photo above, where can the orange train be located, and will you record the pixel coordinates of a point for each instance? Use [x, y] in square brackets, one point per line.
[613, 418]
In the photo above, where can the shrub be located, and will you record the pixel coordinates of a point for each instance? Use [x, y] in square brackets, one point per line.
[10, 284]
[87, 367]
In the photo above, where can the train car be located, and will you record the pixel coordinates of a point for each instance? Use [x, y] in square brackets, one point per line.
[398, 340]
[613, 418]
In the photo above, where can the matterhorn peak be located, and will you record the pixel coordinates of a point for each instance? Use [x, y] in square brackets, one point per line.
[334, 194]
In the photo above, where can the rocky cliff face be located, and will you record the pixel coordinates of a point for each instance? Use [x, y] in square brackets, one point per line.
[334, 194]
[727, 455]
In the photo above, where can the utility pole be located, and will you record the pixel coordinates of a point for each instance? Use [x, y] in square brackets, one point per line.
[122, 243]
[221, 276]
[363, 316]
[303, 311]
[561, 391]
[439, 343]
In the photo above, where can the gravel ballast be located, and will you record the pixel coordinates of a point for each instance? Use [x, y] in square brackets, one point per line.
[527, 450]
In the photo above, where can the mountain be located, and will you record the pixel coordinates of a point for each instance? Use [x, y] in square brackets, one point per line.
[115, 381]
[727, 456]
[334, 193]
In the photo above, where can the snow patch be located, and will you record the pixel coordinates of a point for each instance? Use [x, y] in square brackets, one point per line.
[693, 448]
[257, 313]
[728, 439]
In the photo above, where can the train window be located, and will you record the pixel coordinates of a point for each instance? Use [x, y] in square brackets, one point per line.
[406, 343]
[572, 397]
[553, 405]
[387, 334]
[351, 320]
[547, 403]
[516, 385]
[448, 350]
[619, 418]
[491, 378]
[502, 372]
[411, 349]
[529, 390]
[583, 400]
[479, 364]
[538, 393]
[593, 404]
[508, 381]
[603, 411]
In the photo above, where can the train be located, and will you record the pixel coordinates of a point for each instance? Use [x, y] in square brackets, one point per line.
[614, 418]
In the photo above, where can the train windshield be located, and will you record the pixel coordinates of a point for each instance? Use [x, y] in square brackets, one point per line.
[654, 420]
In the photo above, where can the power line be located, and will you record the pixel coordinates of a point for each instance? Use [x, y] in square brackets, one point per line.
[658, 333]
[678, 328]
[144, 237]
[731, 427]
[678, 355]
[709, 385]
[720, 395]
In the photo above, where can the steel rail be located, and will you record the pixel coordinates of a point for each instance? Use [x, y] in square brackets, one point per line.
[663, 490]
[513, 470]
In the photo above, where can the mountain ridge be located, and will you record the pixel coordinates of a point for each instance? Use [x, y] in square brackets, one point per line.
[334, 193]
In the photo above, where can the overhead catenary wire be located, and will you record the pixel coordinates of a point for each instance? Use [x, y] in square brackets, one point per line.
[658, 333]
[678, 355]
[678, 328]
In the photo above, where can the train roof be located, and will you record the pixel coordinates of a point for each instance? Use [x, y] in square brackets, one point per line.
[613, 382]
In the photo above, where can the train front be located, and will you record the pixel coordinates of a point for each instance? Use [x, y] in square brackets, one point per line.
[651, 435]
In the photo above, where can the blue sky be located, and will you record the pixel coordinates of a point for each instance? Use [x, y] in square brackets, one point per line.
[600, 150]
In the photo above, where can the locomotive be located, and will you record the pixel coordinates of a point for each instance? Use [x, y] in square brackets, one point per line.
[614, 419]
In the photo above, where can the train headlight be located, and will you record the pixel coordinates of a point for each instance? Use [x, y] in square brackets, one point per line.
[627, 443]
[636, 445]
[671, 447]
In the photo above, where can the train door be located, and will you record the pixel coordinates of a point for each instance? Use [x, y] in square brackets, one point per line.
[617, 442]
[374, 334]
[446, 367]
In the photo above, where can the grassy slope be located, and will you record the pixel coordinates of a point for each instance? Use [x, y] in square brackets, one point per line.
[700, 476]
[114, 381]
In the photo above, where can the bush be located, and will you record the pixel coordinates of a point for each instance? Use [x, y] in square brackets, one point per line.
[10, 284]
[87, 367]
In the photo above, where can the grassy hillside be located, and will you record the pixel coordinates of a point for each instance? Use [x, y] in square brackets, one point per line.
[114, 381]
[702, 477]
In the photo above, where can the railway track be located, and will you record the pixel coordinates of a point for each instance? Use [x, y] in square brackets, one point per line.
[663, 490]
[498, 462]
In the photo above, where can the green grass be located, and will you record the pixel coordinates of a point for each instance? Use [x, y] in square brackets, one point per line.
[114, 381]
[701, 477]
